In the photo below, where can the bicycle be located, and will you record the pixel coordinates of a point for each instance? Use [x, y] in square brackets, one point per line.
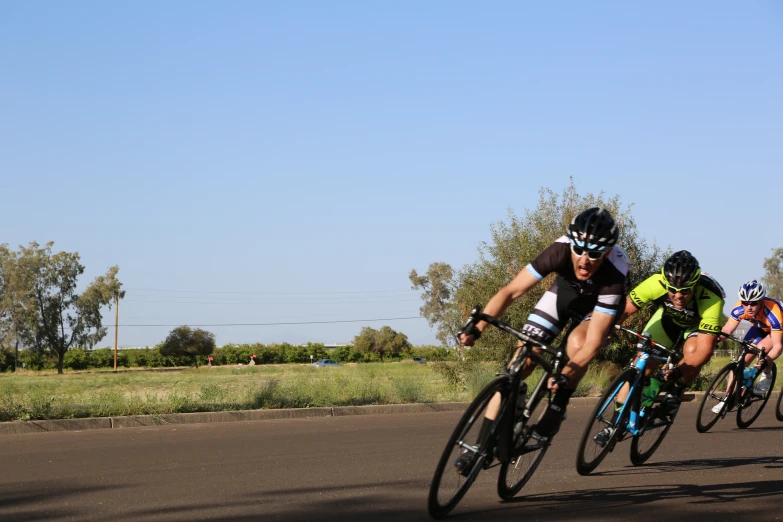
[778, 406]
[724, 390]
[509, 439]
[646, 425]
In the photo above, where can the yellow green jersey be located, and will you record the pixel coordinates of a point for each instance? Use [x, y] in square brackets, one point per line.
[705, 308]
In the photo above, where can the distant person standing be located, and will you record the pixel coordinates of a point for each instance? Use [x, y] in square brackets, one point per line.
[252, 360]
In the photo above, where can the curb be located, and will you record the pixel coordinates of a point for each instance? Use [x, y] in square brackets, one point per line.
[136, 421]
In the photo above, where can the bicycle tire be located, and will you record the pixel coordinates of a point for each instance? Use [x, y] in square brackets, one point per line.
[467, 429]
[647, 437]
[515, 474]
[778, 406]
[718, 391]
[601, 418]
[752, 405]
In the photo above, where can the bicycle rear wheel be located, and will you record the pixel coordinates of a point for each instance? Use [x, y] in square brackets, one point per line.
[751, 405]
[590, 453]
[719, 392]
[652, 433]
[448, 484]
[525, 458]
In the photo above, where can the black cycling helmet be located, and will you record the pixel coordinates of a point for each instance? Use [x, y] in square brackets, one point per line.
[681, 270]
[593, 229]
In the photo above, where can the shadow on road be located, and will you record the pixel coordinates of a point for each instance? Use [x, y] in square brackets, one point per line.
[654, 502]
[677, 466]
[22, 502]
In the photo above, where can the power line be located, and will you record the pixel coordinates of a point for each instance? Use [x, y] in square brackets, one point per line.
[280, 323]
[267, 293]
[237, 301]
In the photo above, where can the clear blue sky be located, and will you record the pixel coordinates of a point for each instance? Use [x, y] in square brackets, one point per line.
[248, 162]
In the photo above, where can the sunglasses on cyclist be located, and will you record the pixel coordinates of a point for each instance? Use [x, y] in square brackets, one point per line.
[684, 290]
[592, 255]
[750, 303]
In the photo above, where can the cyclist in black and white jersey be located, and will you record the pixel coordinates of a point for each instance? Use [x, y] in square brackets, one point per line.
[591, 272]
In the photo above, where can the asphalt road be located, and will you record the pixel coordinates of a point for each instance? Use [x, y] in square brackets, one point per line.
[376, 468]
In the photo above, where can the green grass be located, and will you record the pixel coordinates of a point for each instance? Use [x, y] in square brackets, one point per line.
[45, 395]
[40, 395]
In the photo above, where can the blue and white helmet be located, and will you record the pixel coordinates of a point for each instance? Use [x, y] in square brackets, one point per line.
[752, 291]
[593, 229]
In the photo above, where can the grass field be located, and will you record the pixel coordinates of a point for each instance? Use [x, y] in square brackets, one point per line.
[44, 395]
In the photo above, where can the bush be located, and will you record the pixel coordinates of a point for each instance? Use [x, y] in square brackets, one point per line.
[76, 359]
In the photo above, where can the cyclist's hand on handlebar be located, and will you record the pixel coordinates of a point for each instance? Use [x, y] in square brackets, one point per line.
[555, 384]
[672, 374]
[467, 338]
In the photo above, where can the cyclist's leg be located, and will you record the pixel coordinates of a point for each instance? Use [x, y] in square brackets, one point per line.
[551, 314]
[769, 346]
[544, 324]
[660, 333]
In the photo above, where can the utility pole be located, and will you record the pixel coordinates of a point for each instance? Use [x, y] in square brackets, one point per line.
[116, 326]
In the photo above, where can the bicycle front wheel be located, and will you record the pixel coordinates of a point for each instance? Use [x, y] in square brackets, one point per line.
[591, 452]
[525, 458]
[449, 484]
[717, 398]
[657, 423]
[752, 403]
[779, 407]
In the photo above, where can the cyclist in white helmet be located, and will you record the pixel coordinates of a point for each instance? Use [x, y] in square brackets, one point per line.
[766, 331]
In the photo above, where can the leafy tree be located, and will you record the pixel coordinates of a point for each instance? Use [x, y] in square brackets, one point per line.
[383, 342]
[48, 312]
[185, 341]
[773, 276]
[438, 287]
[515, 243]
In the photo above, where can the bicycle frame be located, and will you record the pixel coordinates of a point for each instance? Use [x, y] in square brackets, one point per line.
[646, 349]
[504, 428]
[738, 373]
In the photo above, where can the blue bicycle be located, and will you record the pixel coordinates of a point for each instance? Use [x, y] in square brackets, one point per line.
[645, 425]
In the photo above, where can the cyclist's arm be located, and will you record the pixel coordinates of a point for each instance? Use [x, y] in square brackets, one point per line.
[777, 345]
[691, 364]
[711, 311]
[519, 286]
[729, 327]
[735, 316]
[630, 309]
[645, 292]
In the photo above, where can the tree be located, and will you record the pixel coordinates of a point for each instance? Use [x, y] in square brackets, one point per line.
[438, 287]
[385, 342]
[186, 341]
[48, 312]
[773, 274]
[515, 243]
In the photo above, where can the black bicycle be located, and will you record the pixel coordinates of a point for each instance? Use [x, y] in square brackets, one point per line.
[509, 442]
[732, 390]
[646, 425]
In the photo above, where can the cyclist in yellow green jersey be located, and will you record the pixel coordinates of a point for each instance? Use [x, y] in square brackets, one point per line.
[689, 316]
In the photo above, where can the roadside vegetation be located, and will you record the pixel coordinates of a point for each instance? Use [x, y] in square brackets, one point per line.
[30, 395]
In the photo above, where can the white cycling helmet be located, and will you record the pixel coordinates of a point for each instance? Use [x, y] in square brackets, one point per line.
[752, 291]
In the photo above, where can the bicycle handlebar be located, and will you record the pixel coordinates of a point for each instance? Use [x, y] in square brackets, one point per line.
[648, 342]
[747, 346]
[477, 315]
